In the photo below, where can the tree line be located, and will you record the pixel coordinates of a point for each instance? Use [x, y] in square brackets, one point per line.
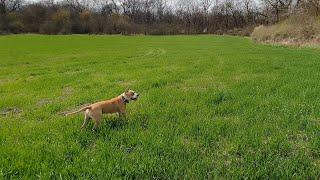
[146, 16]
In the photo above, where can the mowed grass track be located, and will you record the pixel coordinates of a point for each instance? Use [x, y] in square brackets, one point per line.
[210, 107]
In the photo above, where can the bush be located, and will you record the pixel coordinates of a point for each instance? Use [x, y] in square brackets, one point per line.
[48, 27]
[61, 20]
[86, 21]
[10, 23]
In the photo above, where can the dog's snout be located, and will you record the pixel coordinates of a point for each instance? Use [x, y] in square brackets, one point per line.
[137, 94]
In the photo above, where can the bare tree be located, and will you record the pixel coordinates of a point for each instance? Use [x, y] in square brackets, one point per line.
[142, 16]
[206, 5]
[277, 8]
[10, 5]
[312, 6]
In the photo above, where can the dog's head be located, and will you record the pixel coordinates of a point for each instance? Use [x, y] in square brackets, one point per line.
[130, 95]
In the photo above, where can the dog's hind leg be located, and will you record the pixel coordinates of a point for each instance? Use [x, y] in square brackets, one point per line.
[97, 120]
[86, 119]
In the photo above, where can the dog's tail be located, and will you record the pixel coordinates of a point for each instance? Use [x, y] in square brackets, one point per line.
[82, 109]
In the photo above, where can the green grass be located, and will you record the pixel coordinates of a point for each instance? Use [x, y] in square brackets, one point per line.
[210, 107]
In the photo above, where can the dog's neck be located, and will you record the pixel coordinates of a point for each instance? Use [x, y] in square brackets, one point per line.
[124, 99]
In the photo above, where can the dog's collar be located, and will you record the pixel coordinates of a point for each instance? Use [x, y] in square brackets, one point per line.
[124, 99]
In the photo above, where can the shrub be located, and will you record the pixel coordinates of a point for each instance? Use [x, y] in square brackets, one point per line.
[86, 21]
[61, 19]
[10, 23]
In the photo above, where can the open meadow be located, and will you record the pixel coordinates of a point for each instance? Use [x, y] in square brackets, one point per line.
[209, 107]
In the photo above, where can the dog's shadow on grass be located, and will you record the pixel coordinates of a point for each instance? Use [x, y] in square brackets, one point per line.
[109, 124]
[115, 123]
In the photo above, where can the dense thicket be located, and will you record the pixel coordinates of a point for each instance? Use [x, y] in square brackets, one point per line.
[145, 16]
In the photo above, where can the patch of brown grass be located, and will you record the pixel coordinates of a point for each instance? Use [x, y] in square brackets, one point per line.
[297, 30]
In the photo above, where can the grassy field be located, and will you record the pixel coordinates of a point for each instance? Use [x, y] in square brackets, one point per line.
[210, 107]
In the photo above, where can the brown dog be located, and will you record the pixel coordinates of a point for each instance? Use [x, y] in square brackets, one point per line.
[115, 105]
